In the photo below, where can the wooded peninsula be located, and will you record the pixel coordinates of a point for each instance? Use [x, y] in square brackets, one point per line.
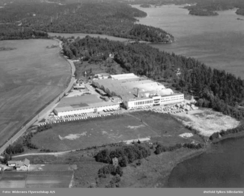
[32, 19]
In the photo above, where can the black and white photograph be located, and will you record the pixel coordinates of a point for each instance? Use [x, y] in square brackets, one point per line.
[121, 97]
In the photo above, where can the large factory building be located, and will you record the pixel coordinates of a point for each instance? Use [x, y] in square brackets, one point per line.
[138, 91]
[130, 90]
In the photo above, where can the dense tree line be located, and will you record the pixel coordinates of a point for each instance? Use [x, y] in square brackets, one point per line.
[150, 34]
[240, 11]
[217, 135]
[111, 18]
[213, 88]
[161, 148]
[6, 158]
[14, 149]
[27, 141]
[11, 32]
[27, 138]
[124, 154]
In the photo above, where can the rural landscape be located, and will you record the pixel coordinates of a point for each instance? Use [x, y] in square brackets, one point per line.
[91, 98]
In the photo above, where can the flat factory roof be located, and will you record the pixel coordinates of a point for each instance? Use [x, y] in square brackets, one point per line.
[95, 105]
[81, 102]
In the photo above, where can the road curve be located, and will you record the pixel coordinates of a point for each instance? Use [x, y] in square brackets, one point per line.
[43, 111]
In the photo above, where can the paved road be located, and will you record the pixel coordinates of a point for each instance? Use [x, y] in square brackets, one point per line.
[44, 111]
[43, 153]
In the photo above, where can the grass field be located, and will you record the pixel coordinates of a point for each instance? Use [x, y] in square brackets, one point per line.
[40, 179]
[31, 76]
[167, 127]
[96, 132]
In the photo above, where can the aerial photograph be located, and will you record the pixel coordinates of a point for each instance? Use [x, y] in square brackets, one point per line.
[122, 94]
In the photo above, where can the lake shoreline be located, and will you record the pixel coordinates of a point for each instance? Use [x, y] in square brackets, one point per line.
[104, 36]
[229, 136]
[164, 181]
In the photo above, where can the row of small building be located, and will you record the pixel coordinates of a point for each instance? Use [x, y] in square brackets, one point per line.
[127, 90]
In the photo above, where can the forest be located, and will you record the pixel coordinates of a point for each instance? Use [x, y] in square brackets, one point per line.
[111, 18]
[201, 11]
[240, 11]
[10, 32]
[201, 7]
[212, 88]
[209, 7]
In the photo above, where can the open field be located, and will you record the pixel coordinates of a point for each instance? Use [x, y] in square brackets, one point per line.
[93, 132]
[167, 127]
[31, 76]
[207, 121]
[96, 132]
[40, 179]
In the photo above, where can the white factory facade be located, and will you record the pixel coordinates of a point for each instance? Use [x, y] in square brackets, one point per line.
[132, 91]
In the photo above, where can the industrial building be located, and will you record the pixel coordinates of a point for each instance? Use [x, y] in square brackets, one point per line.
[128, 90]
[137, 91]
[83, 104]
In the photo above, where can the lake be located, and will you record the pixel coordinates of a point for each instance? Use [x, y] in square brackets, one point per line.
[218, 41]
[221, 167]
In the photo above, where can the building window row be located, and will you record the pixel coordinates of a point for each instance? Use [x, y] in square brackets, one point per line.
[143, 102]
[172, 98]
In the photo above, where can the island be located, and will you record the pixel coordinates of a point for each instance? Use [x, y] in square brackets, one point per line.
[109, 18]
[240, 11]
[201, 11]
[145, 5]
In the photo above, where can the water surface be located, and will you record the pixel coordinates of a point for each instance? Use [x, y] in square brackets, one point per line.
[218, 41]
[221, 167]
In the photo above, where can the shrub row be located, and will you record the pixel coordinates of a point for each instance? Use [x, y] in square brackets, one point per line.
[160, 148]
[27, 138]
[109, 169]
[124, 154]
[14, 149]
[44, 128]
[27, 141]
[217, 135]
